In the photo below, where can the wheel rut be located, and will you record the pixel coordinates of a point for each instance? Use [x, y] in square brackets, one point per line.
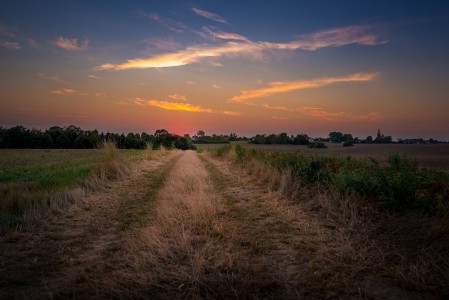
[51, 259]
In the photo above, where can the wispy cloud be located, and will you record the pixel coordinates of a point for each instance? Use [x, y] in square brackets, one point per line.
[216, 86]
[177, 106]
[161, 44]
[282, 87]
[209, 15]
[231, 113]
[93, 76]
[178, 97]
[10, 45]
[71, 44]
[166, 22]
[318, 112]
[359, 34]
[223, 35]
[188, 56]
[63, 92]
[279, 118]
[337, 37]
[217, 64]
[51, 78]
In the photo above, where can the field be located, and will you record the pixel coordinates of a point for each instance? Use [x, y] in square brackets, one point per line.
[428, 155]
[52, 168]
[34, 177]
[228, 222]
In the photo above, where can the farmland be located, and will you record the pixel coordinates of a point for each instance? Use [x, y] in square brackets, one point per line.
[428, 155]
[228, 222]
[33, 177]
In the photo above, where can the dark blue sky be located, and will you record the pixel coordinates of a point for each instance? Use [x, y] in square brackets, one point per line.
[242, 66]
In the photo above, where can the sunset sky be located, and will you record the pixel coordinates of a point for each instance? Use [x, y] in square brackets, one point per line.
[227, 66]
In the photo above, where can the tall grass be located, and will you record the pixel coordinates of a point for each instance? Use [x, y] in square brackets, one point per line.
[29, 192]
[112, 164]
[151, 153]
[392, 215]
[400, 184]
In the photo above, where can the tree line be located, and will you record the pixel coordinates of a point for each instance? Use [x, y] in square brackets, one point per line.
[73, 137]
[202, 138]
[334, 137]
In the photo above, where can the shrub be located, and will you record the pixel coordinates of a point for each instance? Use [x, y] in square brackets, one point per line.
[401, 185]
[319, 145]
[348, 144]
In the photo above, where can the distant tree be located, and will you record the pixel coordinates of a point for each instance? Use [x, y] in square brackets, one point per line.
[182, 143]
[200, 134]
[335, 137]
[382, 139]
[233, 137]
[301, 139]
[369, 139]
[347, 138]
[271, 139]
[163, 138]
[83, 142]
[258, 139]
[283, 138]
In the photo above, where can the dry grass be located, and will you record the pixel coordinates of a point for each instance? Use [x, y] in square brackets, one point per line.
[112, 165]
[153, 154]
[24, 203]
[188, 250]
[363, 249]
[53, 259]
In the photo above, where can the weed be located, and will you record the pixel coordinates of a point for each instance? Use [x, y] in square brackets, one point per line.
[400, 184]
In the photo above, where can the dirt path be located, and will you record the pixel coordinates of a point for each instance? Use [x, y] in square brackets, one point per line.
[297, 249]
[186, 226]
[43, 261]
[215, 233]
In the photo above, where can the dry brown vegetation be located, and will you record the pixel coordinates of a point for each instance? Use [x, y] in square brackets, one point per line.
[428, 155]
[51, 257]
[194, 226]
[24, 203]
[365, 250]
[188, 249]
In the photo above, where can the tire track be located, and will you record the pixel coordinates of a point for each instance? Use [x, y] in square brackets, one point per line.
[51, 260]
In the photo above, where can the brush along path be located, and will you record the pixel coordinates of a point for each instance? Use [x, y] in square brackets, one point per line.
[279, 233]
[52, 257]
[217, 234]
[306, 254]
[190, 248]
